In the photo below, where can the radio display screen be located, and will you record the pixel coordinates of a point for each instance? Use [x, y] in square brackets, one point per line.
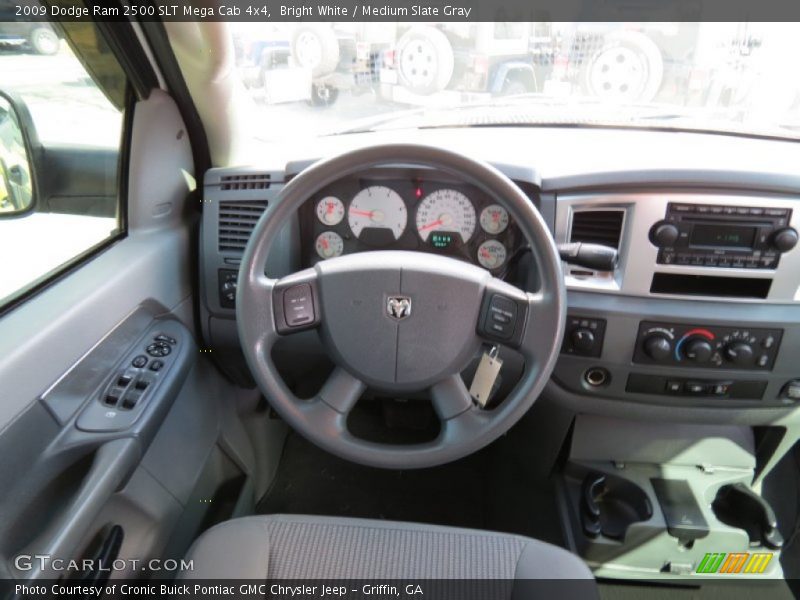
[723, 236]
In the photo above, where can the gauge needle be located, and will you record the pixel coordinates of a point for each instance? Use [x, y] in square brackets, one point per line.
[435, 223]
[362, 213]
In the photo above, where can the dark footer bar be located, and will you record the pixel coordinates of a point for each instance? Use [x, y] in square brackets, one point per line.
[307, 589]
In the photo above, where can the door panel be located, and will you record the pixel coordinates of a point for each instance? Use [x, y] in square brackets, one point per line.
[62, 348]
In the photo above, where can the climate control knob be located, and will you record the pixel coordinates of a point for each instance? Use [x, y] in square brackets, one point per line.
[657, 347]
[739, 353]
[664, 234]
[785, 239]
[698, 350]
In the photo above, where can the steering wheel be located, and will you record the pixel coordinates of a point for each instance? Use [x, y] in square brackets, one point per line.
[400, 321]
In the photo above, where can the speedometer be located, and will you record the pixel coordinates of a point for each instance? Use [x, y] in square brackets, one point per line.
[446, 210]
[377, 207]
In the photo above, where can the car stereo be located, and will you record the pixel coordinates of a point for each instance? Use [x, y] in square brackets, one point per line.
[723, 236]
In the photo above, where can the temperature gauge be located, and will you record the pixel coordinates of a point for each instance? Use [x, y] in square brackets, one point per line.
[494, 219]
[330, 210]
[491, 254]
[329, 244]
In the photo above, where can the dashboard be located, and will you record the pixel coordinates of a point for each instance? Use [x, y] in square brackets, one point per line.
[701, 313]
[408, 209]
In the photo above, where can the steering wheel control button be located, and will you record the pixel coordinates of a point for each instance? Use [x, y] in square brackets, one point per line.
[139, 362]
[298, 305]
[502, 317]
[159, 349]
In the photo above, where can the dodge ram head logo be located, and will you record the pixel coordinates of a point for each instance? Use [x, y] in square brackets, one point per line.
[398, 307]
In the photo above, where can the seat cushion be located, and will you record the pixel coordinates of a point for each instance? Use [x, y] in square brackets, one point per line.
[310, 547]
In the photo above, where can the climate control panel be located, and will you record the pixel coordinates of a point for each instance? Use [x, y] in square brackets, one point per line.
[680, 344]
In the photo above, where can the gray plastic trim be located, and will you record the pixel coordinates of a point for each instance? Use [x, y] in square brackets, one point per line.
[637, 259]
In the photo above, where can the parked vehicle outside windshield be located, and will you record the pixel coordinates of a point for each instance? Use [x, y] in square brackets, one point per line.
[321, 78]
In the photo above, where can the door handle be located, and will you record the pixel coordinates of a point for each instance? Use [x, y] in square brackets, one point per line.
[113, 463]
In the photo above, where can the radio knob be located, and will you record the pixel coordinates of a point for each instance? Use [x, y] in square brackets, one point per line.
[785, 239]
[657, 347]
[698, 350]
[739, 353]
[664, 234]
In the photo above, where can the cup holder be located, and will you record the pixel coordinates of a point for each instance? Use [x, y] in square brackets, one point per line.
[739, 506]
[610, 504]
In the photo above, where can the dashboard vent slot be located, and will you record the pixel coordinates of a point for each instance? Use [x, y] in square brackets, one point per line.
[254, 181]
[597, 227]
[236, 223]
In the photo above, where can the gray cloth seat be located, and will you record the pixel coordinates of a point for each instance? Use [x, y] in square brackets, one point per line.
[312, 547]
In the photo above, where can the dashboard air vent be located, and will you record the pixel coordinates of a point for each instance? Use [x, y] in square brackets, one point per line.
[253, 181]
[597, 227]
[236, 223]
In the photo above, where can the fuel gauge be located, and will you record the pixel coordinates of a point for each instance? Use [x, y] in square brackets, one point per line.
[491, 254]
[329, 244]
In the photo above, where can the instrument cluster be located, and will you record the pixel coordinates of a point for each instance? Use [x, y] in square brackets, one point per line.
[358, 214]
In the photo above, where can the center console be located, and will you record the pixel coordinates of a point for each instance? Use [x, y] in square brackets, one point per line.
[700, 317]
[648, 500]
[703, 308]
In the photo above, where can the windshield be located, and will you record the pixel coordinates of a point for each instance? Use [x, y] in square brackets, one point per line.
[315, 79]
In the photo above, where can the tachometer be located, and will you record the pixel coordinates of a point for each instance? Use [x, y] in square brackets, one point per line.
[491, 254]
[329, 244]
[377, 207]
[494, 219]
[330, 210]
[446, 210]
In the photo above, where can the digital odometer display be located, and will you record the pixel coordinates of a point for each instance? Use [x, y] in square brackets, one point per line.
[442, 240]
[723, 236]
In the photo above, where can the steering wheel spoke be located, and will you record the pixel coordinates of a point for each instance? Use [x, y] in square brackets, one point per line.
[342, 390]
[450, 397]
[536, 338]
